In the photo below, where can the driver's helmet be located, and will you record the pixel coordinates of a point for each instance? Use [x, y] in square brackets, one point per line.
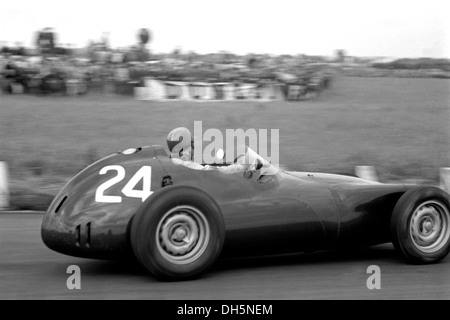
[180, 142]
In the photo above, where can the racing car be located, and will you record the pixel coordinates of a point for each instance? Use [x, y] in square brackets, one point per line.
[176, 221]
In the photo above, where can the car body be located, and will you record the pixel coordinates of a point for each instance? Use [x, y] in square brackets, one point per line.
[280, 212]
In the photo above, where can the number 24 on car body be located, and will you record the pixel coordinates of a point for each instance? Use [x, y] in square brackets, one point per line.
[144, 174]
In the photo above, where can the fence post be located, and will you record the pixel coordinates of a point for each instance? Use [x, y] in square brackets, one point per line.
[4, 187]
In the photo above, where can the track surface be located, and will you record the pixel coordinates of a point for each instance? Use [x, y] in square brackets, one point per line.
[28, 270]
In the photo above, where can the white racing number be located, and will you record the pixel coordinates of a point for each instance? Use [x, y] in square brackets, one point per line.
[99, 194]
[144, 174]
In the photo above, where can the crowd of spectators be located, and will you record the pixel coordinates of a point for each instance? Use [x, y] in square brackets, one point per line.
[78, 72]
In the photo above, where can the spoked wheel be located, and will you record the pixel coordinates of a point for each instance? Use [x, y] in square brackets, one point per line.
[420, 225]
[178, 233]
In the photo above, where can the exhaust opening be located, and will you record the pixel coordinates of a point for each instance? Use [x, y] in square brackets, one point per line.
[78, 235]
[88, 235]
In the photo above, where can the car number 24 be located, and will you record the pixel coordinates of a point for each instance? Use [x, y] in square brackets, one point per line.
[144, 174]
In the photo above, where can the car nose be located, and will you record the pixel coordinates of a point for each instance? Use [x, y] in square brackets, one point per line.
[59, 229]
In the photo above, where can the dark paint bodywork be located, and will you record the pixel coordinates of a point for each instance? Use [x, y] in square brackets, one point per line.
[271, 214]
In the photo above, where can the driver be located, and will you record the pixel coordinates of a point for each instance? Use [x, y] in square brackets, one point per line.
[181, 147]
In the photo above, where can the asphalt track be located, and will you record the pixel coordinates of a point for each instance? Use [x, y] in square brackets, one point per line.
[28, 270]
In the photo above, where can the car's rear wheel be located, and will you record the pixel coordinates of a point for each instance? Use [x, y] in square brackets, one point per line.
[420, 225]
[178, 233]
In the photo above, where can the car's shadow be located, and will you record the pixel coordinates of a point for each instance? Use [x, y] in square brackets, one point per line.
[224, 264]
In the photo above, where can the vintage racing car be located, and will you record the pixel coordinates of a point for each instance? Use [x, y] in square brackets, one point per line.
[176, 221]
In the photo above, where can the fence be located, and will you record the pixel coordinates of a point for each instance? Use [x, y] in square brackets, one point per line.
[160, 90]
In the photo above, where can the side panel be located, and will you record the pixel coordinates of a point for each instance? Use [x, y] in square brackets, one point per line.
[274, 214]
[268, 226]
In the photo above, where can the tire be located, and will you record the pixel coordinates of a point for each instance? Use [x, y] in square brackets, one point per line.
[178, 233]
[420, 225]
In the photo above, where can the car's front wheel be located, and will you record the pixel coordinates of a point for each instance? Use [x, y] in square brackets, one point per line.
[420, 225]
[178, 233]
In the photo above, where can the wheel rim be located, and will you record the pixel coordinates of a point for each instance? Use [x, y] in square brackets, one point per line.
[429, 227]
[182, 235]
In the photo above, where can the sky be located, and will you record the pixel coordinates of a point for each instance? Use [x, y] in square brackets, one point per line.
[389, 28]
